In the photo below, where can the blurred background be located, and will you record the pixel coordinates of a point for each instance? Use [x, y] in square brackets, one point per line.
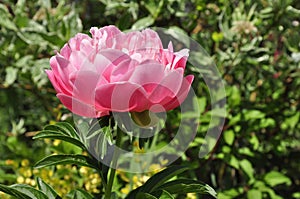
[254, 43]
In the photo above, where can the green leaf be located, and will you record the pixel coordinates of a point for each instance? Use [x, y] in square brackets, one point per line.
[29, 191]
[143, 23]
[64, 127]
[62, 131]
[229, 137]
[142, 195]
[253, 114]
[67, 159]
[187, 186]
[161, 177]
[254, 193]
[254, 141]
[47, 189]
[274, 178]
[166, 195]
[6, 20]
[11, 75]
[233, 161]
[4, 177]
[296, 195]
[59, 136]
[81, 194]
[13, 192]
[247, 168]
[154, 7]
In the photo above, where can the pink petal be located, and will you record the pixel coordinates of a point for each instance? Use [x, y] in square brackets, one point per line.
[115, 57]
[76, 59]
[123, 71]
[167, 88]
[122, 97]
[180, 59]
[148, 73]
[61, 79]
[87, 48]
[84, 86]
[182, 94]
[75, 42]
[66, 51]
[54, 81]
[80, 108]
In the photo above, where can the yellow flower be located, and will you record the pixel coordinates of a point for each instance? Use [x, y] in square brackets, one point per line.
[56, 142]
[20, 179]
[191, 196]
[126, 189]
[25, 163]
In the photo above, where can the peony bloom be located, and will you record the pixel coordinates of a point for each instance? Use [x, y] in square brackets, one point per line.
[120, 72]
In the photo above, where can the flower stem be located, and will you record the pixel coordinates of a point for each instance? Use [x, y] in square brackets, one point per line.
[113, 165]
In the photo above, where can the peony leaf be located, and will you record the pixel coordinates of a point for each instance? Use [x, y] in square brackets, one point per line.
[13, 192]
[161, 177]
[22, 191]
[142, 195]
[187, 186]
[67, 159]
[166, 195]
[59, 136]
[47, 189]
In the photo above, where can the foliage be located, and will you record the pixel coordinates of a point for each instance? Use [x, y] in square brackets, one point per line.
[255, 45]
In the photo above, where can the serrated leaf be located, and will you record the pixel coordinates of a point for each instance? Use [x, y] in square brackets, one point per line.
[47, 189]
[161, 177]
[187, 186]
[66, 159]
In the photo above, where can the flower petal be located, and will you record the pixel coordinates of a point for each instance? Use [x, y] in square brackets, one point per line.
[149, 72]
[80, 108]
[122, 97]
[168, 88]
[84, 85]
[182, 94]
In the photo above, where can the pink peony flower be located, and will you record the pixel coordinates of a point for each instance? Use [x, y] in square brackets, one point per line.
[120, 72]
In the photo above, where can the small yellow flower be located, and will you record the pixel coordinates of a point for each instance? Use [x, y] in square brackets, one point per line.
[154, 168]
[25, 163]
[83, 170]
[20, 179]
[135, 179]
[191, 196]
[56, 142]
[9, 162]
[27, 181]
[126, 189]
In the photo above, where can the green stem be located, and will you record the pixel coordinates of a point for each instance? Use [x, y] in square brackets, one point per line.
[113, 165]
